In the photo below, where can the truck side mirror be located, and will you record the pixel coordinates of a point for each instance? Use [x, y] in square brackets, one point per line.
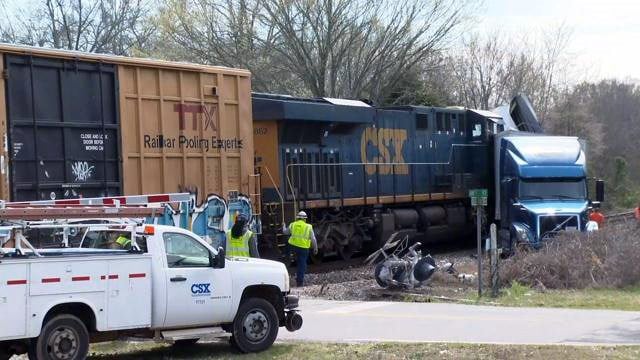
[600, 191]
[217, 261]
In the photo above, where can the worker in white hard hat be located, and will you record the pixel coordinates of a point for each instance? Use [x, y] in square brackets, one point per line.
[301, 240]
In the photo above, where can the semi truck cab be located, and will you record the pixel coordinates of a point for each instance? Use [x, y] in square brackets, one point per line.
[540, 187]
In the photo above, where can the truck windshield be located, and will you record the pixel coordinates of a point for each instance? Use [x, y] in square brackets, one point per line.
[539, 189]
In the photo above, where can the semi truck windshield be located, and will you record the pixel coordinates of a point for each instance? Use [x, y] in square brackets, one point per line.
[538, 189]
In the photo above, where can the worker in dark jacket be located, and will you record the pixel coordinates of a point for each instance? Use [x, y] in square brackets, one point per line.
[241, 242]
[301, 240]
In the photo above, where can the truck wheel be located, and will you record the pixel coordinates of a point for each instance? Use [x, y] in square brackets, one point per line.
[255, 327]
[63, 337]
[4, 353]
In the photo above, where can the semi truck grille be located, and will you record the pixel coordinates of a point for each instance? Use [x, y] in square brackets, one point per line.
[549, 225]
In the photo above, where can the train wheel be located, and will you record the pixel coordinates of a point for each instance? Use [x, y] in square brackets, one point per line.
[345, 252]
[316, 259]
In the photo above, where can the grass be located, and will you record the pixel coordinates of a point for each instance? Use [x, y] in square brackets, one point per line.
[298, 350]
[520, 295]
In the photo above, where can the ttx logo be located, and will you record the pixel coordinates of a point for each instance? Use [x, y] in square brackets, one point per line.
[384, 146]
[208, 116]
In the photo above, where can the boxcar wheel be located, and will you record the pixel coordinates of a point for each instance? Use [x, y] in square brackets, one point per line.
[255, 327]
[64, 337]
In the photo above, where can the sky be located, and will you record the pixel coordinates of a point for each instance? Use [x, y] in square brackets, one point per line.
[605, 40]
[605, 34]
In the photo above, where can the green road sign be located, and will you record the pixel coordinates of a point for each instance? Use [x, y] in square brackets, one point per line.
[478, 201]
[478, 197]
[477, 193]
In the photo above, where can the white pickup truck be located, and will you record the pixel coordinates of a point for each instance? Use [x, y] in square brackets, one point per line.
[174, 286]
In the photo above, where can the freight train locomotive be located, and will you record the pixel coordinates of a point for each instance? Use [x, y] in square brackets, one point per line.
[364, 173]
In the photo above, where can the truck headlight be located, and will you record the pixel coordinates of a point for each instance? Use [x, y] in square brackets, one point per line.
[522, 233]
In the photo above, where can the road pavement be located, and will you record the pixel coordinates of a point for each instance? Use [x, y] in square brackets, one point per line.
[355, 321]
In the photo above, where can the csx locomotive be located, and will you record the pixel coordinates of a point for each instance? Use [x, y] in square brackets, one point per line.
[363, 173]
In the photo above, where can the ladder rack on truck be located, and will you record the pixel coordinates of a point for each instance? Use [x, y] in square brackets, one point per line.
[137, 200]
[16, 217]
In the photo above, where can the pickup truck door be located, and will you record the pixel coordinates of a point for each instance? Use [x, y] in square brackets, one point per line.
[197, 294]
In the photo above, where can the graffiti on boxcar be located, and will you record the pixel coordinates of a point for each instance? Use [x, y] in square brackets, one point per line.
[384, 146]
[82, 170]
[193, 192]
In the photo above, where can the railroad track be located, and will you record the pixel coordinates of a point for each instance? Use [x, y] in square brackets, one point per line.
[334, 264]
[621, 217]
[446, 250]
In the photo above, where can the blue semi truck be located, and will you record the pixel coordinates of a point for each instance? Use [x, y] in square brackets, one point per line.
[540, 187]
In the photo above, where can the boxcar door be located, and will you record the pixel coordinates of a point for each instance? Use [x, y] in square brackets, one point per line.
[62, 127]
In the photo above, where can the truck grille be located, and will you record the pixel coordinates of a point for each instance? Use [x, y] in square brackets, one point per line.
[549, 225]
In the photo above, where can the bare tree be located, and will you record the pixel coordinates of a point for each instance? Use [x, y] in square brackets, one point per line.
[488, 72]
[573, 115]
[339, 48]
[605, 114]
[224, 32]
[360, 48]
[107, 26]
[479, 72]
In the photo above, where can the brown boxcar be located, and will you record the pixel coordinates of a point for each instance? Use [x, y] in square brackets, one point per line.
[79, 124]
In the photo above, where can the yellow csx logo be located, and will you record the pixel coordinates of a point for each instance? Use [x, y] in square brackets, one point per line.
[384, 146]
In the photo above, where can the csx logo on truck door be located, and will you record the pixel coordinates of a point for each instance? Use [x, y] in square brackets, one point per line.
[200, 289]
[384, 146]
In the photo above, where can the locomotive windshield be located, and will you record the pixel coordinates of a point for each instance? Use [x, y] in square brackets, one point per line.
[545, 189]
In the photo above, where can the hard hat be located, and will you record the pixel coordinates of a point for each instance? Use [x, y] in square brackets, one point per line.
[302, 215]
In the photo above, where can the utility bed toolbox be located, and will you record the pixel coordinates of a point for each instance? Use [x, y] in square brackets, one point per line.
[119, 286]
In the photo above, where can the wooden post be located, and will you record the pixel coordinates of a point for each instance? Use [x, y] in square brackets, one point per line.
[479, 235]
[494, 260]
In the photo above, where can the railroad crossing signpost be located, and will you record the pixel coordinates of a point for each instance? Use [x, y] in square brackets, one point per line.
[479, 200]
